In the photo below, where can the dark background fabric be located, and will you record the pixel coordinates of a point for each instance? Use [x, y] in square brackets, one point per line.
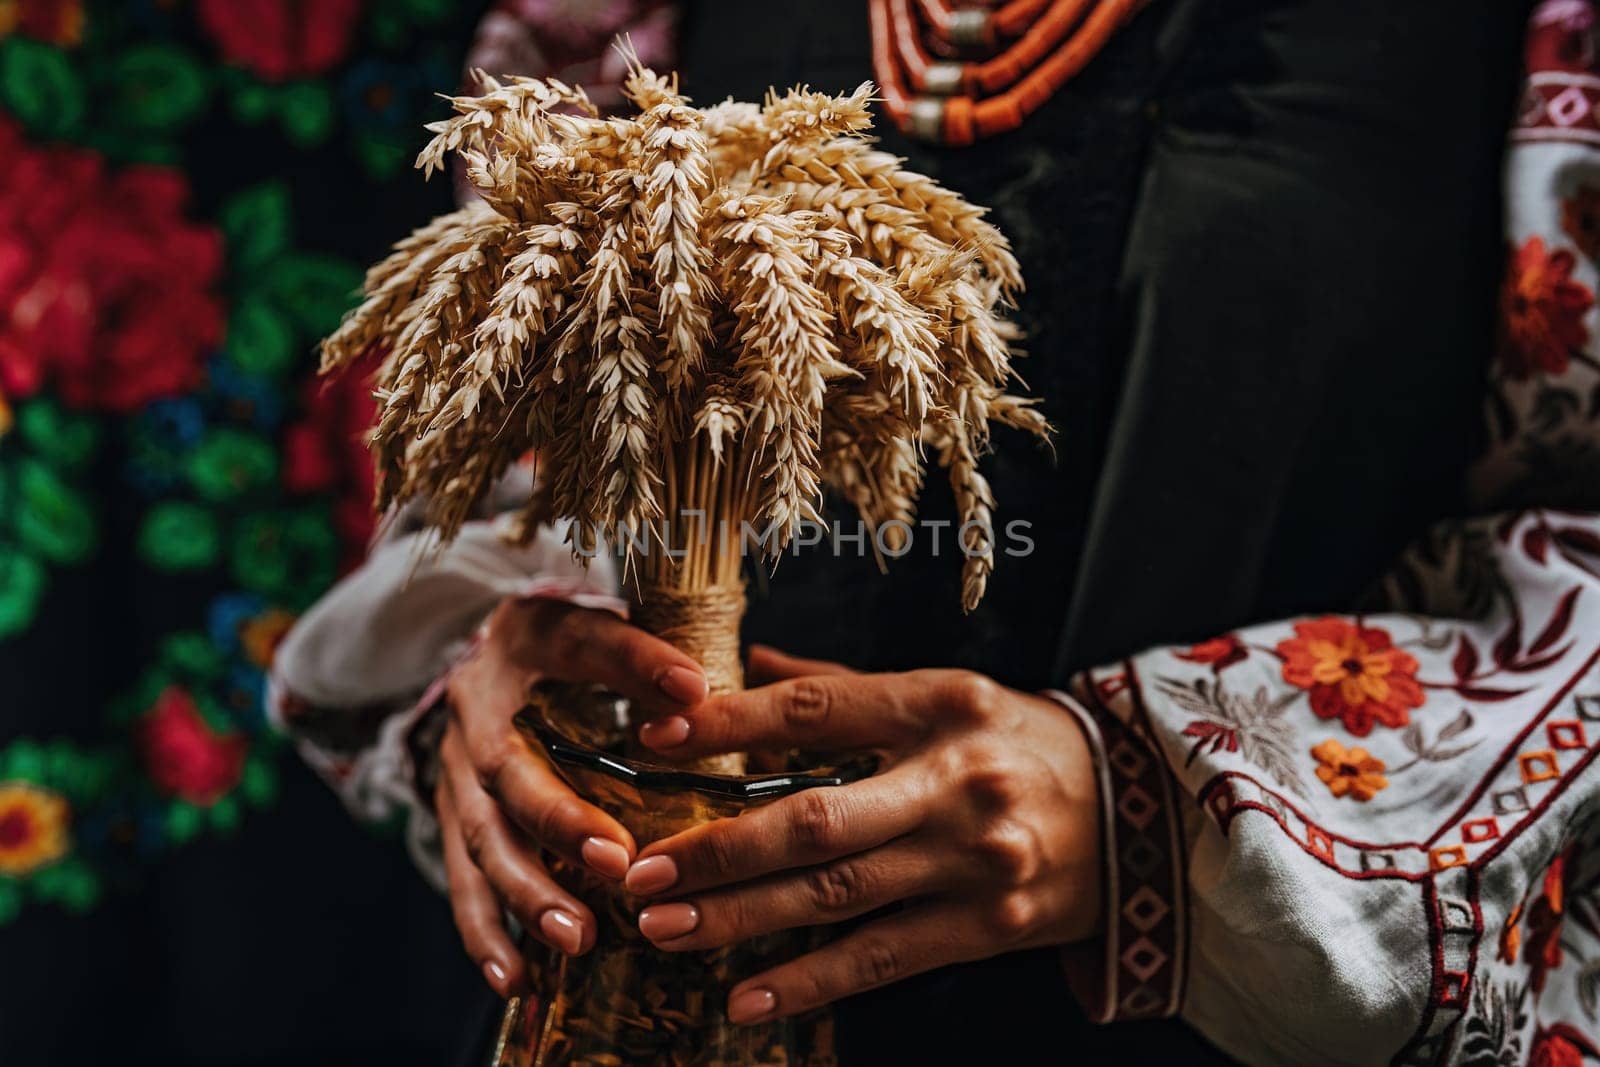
[1261, 241]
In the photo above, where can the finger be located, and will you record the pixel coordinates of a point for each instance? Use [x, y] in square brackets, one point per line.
[880, 952]
[834, 711]
[828, 893]
[573, 644]
[808, 828]
[476, 909]
[513, 870]
[535, 797]
[768, 665]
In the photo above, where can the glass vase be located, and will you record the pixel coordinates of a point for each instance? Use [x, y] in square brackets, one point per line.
[625, 1001]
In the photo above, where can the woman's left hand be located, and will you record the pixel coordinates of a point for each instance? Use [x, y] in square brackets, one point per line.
[982, 822]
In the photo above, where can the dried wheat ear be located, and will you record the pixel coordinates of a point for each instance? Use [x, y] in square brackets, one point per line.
[724, 308]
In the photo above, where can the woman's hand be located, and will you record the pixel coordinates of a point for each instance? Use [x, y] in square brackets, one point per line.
[498, 803]
[982, 822]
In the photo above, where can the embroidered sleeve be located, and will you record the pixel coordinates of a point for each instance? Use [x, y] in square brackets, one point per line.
[1385, 823]
[359, 679]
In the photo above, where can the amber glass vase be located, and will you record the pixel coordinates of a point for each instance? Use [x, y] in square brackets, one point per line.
[626, 1002]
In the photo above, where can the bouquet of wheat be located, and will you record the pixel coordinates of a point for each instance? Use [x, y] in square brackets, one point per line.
[694, 319]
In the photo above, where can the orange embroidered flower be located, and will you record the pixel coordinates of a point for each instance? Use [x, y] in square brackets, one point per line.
[1580, 218]
[33, 828]
[1220, 652]
[1511, 936]
[1349, 771]
[1541, 312]
[1354, 673]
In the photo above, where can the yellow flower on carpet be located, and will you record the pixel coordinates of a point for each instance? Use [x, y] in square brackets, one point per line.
[33, 828]
[1349, 771]
[6, 418]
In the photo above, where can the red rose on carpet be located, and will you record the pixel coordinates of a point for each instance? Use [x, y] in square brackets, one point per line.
[1541, 312]
[184, 755]
[281, 39]
[326, 451]
[106, 290]
[1354, 673]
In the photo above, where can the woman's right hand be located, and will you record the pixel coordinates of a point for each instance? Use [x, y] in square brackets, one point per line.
[498, 803]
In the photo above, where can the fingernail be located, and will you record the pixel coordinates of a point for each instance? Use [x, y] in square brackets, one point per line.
[663, 922]
[683, 685]
[562, 929]
[665, 733]
[606, 858]
[751, 1005]
[651, 875]
[495, 975]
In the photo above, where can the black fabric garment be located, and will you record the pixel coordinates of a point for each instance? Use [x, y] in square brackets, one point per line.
[1261, 242]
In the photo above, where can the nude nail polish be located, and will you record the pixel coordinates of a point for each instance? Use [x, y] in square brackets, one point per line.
[663, 922]
[752, 1005]
[563, 930]
[651, 875]
[606, 858]
[495, 975]
[683, 685]
[665, 733]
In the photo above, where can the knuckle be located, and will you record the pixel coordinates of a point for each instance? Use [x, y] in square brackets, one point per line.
[878, 963]
[1011, 851]
[551, 819]
[493, 764]
[807, 705]
[715, 856]
[476, 836]
[970, 695]
[1014, 916]
[836, 887]
[818, 820]
[991, 779]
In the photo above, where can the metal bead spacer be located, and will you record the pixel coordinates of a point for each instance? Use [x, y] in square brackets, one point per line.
[927, 118]
[969, 28]
[942, 79]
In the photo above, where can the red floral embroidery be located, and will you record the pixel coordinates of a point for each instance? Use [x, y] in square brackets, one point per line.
[1354, 673]
[1541, 950]
[104, 286]
[183, 755]
[1220, 652]
[1541, 312]
[1561, 1046]
[281, 39]
[326, 452]
[1580, 218]
[57, 22]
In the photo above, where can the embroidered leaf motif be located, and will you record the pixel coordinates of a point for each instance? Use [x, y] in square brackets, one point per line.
[159, 86]
[1253, 726]
[1589, 988]
[256, 223]
[1466, 660]
[39, 86]
[1493, 1032]
[1560, 619]
[1459, 725]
